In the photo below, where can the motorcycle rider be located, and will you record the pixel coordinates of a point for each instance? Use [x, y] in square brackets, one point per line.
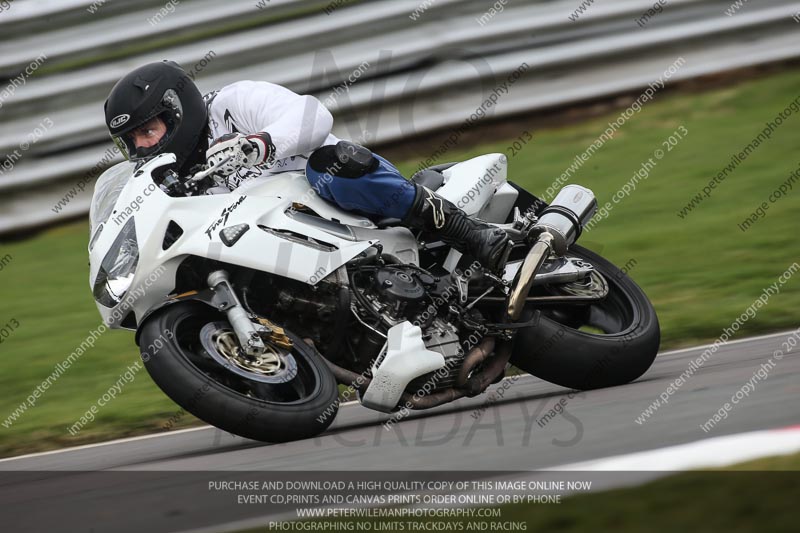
[266, 129]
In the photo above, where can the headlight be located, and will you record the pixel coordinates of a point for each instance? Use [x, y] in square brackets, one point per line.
[118, 267]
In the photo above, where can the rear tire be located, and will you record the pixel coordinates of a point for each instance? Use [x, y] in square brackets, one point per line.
[183, 369]
[554, 349]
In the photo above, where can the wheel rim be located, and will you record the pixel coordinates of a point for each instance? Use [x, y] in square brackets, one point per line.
[276, 365]
[614, 315]
[293, 382]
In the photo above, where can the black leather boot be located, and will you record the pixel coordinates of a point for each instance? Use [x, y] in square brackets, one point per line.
[436, 215]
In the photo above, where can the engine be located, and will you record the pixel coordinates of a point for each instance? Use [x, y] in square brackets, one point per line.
[388, 295]
[400, 292]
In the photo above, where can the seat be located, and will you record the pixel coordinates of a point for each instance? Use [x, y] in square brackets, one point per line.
[428, 178]
[431, 177]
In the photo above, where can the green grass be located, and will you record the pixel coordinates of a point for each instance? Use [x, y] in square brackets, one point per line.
[701, 273]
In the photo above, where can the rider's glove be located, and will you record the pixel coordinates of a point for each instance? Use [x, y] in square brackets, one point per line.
[244, 151]
[265, 149]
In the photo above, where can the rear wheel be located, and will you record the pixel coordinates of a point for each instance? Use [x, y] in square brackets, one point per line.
[286, 394]
[585, 346]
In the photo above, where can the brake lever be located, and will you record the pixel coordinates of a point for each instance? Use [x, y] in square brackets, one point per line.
[191, 184]
[209, 171]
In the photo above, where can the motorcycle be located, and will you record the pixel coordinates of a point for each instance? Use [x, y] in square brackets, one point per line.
[252, 309]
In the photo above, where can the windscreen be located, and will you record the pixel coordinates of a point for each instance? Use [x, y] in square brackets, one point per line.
[106, 191]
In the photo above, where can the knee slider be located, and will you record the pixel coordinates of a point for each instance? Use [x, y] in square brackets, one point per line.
[345, 160]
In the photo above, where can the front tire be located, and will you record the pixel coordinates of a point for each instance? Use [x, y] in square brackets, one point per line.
[290, 408]
[557, 350]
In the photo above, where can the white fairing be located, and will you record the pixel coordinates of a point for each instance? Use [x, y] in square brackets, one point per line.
[203, 217]
[276, 238]
[479, 187]
[406, 358]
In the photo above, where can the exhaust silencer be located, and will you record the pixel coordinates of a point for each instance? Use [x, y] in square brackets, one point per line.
[559, 226]
[564, 219]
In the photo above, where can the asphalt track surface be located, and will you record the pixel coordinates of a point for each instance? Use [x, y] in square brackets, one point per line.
[163, 486]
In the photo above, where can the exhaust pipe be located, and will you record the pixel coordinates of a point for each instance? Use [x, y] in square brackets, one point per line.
[565, 218]
[559, 227]
[476, 356]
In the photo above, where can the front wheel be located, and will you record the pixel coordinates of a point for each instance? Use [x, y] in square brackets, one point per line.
[288, 394]
[586, 346]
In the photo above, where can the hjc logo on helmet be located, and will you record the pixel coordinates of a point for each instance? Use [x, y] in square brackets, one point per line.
[119, 120]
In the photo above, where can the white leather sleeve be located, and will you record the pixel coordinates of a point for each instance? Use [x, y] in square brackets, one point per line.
[297, 124]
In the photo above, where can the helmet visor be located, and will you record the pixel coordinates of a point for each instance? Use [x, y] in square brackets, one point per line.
[152, 135]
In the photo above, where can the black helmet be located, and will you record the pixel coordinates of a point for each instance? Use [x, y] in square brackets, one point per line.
[164, 90]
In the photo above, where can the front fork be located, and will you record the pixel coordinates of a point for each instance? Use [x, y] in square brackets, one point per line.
[225, 299]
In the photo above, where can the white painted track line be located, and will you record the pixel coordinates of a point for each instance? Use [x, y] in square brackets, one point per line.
[706, 453]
